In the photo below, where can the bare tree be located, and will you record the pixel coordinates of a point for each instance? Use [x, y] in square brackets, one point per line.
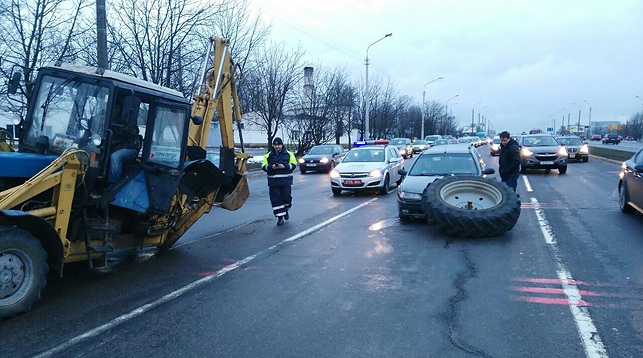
[319, 114]
[152, 35]
[246, 32]
[269, 89]
[35, 33]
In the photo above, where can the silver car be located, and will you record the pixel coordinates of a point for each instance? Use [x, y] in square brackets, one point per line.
[435, 163]
[367, 168]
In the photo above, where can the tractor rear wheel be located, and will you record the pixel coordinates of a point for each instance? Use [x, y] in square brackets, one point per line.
[471, 206]
[23, 271]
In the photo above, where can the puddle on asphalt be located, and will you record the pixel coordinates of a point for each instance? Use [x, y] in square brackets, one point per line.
[383, 224]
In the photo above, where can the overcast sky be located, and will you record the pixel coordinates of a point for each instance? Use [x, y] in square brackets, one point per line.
[522, 64]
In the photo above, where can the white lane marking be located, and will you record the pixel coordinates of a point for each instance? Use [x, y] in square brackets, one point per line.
[175, 294]
[213, 235]
[586, 330]
[524, 178]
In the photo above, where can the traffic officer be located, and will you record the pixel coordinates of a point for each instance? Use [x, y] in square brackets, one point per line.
[279, 163]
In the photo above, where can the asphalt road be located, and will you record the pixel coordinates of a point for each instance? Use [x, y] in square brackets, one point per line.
[344, 278]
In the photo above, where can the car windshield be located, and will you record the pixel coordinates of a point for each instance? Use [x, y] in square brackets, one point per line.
[365, 155]
[398, 141]
[539, 141]
[419, 142]
[441, 142]
[570, 141]
[444, 164]
[320, 150]
[432, 137]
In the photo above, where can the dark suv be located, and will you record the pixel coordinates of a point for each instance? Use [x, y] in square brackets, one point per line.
[612, 139]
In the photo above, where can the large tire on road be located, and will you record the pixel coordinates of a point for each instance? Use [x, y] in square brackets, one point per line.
[562, 170]
[23, 271]
[471, 206]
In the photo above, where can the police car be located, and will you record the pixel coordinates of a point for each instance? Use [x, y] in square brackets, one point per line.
[370, 165]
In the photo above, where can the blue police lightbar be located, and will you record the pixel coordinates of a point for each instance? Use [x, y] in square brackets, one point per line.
[361, 143]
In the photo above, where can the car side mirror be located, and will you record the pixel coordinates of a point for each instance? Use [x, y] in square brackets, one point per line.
[402, 172]
[489, 171]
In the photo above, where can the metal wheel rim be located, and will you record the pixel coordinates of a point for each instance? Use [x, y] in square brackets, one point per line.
[16, 275]
[461, 192]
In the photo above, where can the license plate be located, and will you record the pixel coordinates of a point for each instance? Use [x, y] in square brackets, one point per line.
[352, 182]
[546, 163]
[311, 164]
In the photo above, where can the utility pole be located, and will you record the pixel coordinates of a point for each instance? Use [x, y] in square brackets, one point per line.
[101, 34]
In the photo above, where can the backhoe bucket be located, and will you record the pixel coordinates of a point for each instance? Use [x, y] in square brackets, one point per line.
[237, 197]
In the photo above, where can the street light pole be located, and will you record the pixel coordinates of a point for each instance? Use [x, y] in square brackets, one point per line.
[423, 98]
[578, 124]
[589, 124]
[473, 130]
[367, 100]
[446, 107]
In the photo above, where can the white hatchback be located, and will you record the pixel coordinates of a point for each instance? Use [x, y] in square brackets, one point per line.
[368, 168]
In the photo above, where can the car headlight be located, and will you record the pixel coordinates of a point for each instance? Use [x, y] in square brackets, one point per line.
[301, 160]
[584, 149]
[402, 150]
[334, 174]
[562, 151]
[525, 152]
[323, 160]
[409, 196]
[375, 173]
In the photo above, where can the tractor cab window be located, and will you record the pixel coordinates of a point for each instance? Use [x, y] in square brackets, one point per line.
[66, 112]
[167, 136]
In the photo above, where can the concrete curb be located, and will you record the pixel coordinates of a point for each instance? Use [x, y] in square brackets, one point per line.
[619, 163]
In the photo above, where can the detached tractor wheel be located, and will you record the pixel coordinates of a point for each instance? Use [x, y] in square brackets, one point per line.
[471, 206]
[23, 271]
[562, 170]
[336, 191]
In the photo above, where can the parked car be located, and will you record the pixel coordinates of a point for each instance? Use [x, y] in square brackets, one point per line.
[420, 145]
[576, 148]
[630, 184]
[612, 138]
[404, 146]
[212, 154]
[435, 163]
[322, 157]
[494, 148]
[366, 168]
[542, 151]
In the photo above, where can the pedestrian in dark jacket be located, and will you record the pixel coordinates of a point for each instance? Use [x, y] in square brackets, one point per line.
[509, 167]
[279, 163]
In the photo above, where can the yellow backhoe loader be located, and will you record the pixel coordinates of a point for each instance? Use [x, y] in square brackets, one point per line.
[56, 204]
